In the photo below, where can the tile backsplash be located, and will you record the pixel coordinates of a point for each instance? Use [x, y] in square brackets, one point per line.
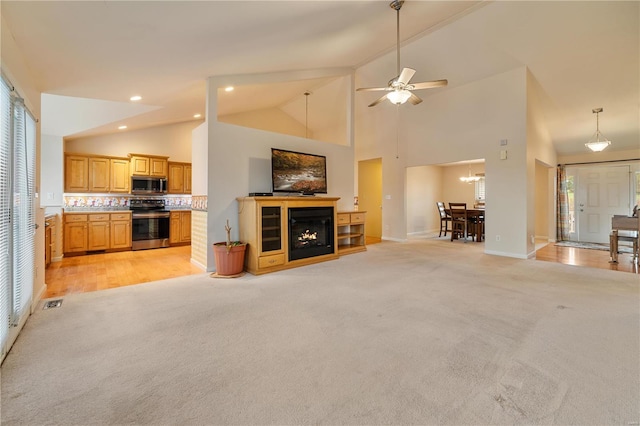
[119, 202]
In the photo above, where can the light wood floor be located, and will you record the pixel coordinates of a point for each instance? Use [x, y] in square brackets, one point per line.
[586, 257]
[93, 272]
[102, 271]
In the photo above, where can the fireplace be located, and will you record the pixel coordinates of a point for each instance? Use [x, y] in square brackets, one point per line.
[310, 232]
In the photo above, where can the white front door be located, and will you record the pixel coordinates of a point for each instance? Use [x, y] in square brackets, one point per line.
[601, 192]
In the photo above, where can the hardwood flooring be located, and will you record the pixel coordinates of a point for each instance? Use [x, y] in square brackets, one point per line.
[102, 271]
[586, 257]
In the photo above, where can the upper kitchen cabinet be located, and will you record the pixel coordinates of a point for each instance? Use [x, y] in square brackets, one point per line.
[99, 168]
[179, 179]
[76, 173]
[95, 173]
[148, 165]
[120, 178]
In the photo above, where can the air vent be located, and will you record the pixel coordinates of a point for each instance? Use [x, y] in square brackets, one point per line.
[53, 304]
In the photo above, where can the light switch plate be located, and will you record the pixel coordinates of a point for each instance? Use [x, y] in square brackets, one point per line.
[503, 154]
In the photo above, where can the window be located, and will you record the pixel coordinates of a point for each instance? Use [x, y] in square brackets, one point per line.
[17, 214]
[480, 189]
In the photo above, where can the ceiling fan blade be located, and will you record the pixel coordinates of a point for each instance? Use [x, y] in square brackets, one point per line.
[429, 84]
[414, 100]
[377, 101]
[406, 75]
[371, 89]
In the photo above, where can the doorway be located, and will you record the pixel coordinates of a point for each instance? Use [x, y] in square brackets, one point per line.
[599, 193]
[370, 197]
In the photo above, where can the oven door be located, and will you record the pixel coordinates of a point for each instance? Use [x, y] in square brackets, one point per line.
[150, 230]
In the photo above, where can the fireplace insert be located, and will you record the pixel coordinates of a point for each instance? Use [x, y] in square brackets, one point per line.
[310, 232]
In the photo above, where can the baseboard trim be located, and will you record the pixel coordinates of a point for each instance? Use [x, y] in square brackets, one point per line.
[397, 240]
[36, 300]
[505, 254]
[198, 264]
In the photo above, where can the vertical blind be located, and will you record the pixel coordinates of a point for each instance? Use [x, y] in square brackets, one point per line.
[17, 217]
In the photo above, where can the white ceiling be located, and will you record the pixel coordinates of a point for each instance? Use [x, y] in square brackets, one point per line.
[582, 55]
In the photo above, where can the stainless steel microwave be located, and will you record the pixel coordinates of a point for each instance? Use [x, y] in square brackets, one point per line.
[148, 185]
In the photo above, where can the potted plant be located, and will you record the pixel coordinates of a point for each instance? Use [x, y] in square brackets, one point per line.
[229, 256]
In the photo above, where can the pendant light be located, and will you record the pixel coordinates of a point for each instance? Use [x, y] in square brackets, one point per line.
[469, 178]
[596, 144]
[306, 114]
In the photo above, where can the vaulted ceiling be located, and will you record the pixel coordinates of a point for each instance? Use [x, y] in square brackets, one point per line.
[582, 55]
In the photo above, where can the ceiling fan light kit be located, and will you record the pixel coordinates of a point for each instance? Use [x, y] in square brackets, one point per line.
[399, 88]
[596, 144]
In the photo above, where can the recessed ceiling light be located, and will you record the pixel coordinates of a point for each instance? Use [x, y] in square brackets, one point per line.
[122, 127]
[135, 98]
[228, 89]
[197, 115]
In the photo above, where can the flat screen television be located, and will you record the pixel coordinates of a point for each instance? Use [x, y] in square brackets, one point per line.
[298, 172]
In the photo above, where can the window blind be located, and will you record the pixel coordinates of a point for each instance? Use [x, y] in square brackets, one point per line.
[17, 214]
[23, 212]
[5, 217]
[480, 190]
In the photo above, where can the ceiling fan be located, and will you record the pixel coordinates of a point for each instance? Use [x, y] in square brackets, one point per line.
[399, 88]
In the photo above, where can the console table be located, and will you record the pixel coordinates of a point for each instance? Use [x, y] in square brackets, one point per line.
[264, 226]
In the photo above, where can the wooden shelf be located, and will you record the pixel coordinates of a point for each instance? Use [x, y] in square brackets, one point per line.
[351, 235]
[263, 224]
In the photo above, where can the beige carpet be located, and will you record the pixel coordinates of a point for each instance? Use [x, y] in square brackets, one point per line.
[424, 332]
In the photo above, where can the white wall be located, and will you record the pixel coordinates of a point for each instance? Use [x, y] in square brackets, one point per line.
[172, 140]
[424, 190]
[459, 123]
[239, 158]
[199, 153]
[52, 180]
[269, 119]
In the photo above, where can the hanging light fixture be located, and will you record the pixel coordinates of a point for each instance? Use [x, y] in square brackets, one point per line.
[306, 114]
[470, 179]
[596, 144]
[399, 96]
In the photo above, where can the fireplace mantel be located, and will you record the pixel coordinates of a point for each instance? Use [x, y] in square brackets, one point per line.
[264, 226]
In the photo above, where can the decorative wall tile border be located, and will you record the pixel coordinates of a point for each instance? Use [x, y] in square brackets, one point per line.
[120, 202]
[199, 203]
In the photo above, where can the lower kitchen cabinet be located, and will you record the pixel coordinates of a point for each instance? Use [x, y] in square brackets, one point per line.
[88, 232]
[98, 236]
[180, 227]
[120, 230]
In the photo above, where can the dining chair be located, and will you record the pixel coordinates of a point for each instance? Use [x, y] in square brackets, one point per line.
[445, 218]
[459, 222]
[476, 224]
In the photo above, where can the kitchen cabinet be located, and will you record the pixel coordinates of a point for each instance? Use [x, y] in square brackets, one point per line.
[179, 179]
[120, 178]
[180, 227]
[99, 174]
[95, 173]
[148, 165]
[120, 231]
[76, 173]
[75, 233]
[49, 239]
[96, 232]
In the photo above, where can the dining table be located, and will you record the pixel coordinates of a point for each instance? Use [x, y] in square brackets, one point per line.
[479, 215]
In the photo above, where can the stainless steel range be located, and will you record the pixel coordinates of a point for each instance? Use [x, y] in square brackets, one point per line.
[150, 224]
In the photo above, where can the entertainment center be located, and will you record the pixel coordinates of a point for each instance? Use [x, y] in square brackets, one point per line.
[291, 231]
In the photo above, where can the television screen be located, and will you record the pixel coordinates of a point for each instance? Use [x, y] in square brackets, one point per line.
[298, 172]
